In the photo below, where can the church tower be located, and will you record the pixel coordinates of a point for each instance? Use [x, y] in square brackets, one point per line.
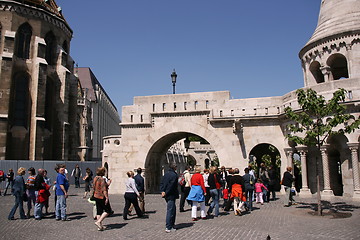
[333, 52]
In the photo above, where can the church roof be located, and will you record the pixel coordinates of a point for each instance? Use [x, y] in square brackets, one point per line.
[48, 5]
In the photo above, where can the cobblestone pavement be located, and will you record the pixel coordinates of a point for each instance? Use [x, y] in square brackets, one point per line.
[270, 219]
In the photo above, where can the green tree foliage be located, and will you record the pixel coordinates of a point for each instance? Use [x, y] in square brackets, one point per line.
[319, 118]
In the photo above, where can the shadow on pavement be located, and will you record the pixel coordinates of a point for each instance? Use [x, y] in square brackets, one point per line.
[184, 225]
[335, 210]
[115, 226]
[76, 215]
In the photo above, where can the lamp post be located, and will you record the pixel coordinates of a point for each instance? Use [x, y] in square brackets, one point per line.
[173, 80]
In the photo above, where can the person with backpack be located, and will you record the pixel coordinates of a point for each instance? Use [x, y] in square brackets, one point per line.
[249, 181]
[185, 183]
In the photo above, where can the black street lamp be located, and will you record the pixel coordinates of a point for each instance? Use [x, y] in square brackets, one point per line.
[173, 80]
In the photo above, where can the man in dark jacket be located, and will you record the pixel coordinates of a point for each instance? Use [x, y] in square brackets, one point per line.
[140, 186]
[287, 182]
[169, 191]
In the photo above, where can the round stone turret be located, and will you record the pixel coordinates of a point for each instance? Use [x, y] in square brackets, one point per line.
[333, 51]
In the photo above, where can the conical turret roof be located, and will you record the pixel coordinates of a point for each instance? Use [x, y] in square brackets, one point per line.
[336, 17]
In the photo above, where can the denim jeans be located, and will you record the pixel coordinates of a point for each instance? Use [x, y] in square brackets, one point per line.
[249, 198]
[215, 195]
[31, 198]
[170, 213]
[18, 203]
[60, 211]
[38, 210]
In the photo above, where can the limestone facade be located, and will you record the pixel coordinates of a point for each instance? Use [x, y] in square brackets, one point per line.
[235, 127]
[38, 90]
[102, 116]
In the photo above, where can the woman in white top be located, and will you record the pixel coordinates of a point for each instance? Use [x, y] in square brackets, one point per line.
[131, 195]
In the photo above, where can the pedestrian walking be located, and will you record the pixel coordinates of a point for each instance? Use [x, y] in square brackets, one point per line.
[30, 190]
[101, 196]
[131, 196]
[169, 191]
[18, 190]
[185, 189]
[214, 181]
[10, 179]
[197, 194]
[259, 187]
[249, 182]
[77, 174]
[287, 181]
[62, 187]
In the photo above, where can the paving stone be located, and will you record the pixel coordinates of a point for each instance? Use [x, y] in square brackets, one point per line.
[270, 219]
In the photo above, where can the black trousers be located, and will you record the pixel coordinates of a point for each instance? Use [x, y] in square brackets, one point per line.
[184, 194]
[131, 198]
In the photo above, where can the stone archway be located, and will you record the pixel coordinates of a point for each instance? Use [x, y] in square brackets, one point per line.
[339, 161]
[156, 162]
[268, 154]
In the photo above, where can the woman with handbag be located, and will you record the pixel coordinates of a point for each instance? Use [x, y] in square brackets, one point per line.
[18, 190]
[101, 197]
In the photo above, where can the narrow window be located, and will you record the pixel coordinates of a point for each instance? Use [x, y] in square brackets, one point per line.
[23, 38]
[164, 106]
[196, 104]
[50, 48]
[131, 118]
[266, 111]
[221, 113]
[141, 118]
[174, 106]
[185, 106]
[232, 112]
[207, 104]
[153, 107]
[21, 101]
[350, 96]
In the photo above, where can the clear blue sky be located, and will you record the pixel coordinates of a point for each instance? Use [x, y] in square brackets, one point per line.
[247, 47]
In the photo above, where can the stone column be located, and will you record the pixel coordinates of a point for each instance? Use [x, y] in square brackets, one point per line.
[289, 155]
[305, 188]
[325, 161]
[355, 168]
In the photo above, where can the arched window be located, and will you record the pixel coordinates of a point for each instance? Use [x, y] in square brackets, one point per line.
[22, 42]
[316, 72]
[49, 103]
[338, 65]
[65, 47]
[50, 48]
[21, 100]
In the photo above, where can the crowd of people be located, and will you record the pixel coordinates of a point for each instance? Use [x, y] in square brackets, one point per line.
[206, 189]
[199, 189]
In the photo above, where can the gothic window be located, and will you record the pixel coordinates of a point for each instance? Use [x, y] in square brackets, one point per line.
[23, 38]
[49, 103]
[21, 100]
[65, 47]
[50, 48]
[316, 72]
[338, 66]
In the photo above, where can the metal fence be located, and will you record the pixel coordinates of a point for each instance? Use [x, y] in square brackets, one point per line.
[48, 165]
